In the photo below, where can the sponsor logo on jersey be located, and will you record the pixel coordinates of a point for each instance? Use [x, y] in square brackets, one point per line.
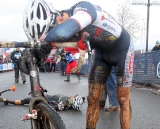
[111, 38]
[102, 18]
[80, 8]
[98, 32]
[105, 24]
[131, 63]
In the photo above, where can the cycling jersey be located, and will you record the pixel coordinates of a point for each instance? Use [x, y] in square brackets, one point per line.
[109, 38]
[56, 99]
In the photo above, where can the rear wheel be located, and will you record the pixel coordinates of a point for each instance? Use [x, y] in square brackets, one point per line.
[48, 118]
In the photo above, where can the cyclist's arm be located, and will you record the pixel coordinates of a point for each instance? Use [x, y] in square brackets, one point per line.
[83, 15]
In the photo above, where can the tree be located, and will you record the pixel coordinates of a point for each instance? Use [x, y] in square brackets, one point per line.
[129, 20]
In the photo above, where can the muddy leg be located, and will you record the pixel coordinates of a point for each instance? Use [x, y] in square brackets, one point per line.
[95, 93]
[125, 106]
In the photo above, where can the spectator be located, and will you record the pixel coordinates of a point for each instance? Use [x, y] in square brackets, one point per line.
[1, 58]
[7, 60]
[156, 47]
[111, 91]
[47, 64]
[63, 63]
[155, 61]
[15, 56]
[53, 63]
[71, 64]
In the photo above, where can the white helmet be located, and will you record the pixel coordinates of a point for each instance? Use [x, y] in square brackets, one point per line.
[39, 18]
[77, 103]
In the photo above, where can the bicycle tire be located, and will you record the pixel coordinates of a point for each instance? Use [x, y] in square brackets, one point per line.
[48, 118]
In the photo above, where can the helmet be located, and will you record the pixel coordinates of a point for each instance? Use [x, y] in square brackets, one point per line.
[157, 42]
[38, 19]
[77, 102]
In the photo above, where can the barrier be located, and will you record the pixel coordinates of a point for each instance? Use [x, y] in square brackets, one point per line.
[146, 67]
[6, 67]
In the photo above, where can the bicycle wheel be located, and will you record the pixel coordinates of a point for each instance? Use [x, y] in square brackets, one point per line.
[48, 118]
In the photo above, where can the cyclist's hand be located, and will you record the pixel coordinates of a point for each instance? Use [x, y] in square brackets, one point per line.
[61, 106]
[81, 43]
[42, 53]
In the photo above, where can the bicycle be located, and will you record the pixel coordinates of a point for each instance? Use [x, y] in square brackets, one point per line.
[41, 113]
[13, 88]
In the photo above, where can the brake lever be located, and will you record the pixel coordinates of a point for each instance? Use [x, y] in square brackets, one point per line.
[86, 40]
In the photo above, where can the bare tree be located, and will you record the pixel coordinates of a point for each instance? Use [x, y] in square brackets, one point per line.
[129, 19]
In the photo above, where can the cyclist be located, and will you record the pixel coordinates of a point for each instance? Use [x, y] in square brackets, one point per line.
[59, 102]
[112, 44]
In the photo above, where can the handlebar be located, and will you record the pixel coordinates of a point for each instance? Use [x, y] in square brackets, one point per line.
[13, 88]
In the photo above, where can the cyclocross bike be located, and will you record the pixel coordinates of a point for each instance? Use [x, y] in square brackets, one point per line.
[41, 114]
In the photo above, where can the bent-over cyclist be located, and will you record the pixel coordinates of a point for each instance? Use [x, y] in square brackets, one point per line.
[111, 42]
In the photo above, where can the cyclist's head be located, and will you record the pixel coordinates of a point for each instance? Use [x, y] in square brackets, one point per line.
[157, 42]
[77, 102]
[39, 18]
[17, 48]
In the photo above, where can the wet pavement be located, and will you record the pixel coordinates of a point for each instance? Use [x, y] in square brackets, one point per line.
[145, 104]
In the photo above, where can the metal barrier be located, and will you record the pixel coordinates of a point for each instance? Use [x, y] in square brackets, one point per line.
[146, 67]
[6, 67]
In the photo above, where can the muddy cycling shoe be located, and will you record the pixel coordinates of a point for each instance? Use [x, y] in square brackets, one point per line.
[24, 82]
[112, 108]
[3, 100]
[102, 103]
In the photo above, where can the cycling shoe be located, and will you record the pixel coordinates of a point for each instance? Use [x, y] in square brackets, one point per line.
[3, 100]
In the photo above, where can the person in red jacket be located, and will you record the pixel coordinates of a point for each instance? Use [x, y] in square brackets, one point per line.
[47, 64]
[53, 63]
[71, 64]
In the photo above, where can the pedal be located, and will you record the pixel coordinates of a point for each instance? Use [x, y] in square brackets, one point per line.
[30, 116]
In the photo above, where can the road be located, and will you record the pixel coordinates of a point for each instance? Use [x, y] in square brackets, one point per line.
[145, 104]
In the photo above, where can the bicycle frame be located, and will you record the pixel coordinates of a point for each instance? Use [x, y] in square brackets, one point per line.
[37, 92]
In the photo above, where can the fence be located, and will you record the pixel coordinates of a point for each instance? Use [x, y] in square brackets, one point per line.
[6, 67]
[146, 67]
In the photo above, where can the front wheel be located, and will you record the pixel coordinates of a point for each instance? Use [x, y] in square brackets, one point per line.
[48, 118]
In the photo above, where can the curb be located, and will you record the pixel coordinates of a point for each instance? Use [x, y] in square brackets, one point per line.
[157, 86]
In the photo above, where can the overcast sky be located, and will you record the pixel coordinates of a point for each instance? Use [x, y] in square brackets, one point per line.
[11, 18]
